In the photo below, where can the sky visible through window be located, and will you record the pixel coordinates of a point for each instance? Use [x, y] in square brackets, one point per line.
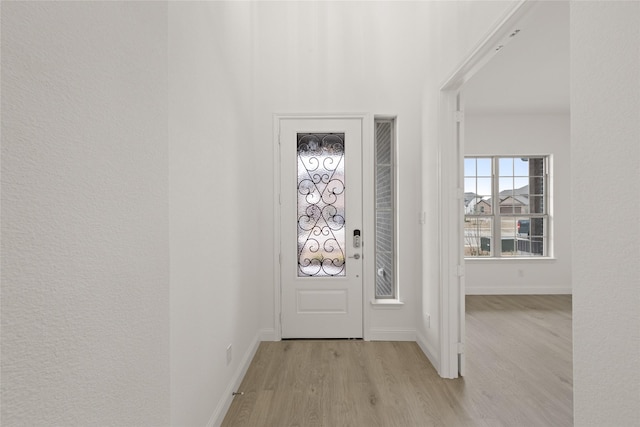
[514, 173]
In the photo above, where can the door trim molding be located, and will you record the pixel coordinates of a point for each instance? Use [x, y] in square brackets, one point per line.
[450, 163]
[367, 215]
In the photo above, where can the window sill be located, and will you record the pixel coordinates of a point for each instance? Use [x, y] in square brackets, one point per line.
[511, 259]
[386, 304]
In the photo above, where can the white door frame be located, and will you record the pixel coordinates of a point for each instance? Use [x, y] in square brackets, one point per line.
[368, 263]
[451, 190]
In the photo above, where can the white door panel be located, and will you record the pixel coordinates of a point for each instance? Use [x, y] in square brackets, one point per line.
[321, 210]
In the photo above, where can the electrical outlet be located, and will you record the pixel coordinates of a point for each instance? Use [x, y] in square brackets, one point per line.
[229, 354]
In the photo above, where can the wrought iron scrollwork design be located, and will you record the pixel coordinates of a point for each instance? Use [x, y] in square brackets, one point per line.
[321, 216]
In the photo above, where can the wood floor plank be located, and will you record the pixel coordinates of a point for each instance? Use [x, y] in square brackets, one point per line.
[519, 373]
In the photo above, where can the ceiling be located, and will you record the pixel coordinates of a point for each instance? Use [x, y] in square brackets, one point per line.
[530, 74]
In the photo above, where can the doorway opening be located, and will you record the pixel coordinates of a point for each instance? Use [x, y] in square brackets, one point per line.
[526, 20]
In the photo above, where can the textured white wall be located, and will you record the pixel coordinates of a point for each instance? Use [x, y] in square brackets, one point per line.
[85, 277]
[514, 134]
[220, 258]
[605, 143]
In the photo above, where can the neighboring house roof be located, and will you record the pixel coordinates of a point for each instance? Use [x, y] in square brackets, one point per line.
[468, 197]
[515, 201]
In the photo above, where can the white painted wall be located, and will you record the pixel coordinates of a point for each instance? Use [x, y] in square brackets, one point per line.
[455, 30]
[85, 255]
[220, 256]
[605, 143]
[328, 57]
[521, 134]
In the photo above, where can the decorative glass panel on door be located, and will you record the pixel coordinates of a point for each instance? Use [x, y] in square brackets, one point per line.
[321, 207]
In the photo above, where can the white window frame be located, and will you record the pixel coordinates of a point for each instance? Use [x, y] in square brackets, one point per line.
[394, 204]
[496, 216]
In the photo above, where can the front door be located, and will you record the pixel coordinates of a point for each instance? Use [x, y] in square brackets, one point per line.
[321, 226]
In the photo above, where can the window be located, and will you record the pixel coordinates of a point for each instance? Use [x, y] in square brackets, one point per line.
[321, 207]
[506, 201]
[385, 244]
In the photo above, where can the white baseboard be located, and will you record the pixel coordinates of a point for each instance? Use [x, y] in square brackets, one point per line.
[428, 351]
[268, 334]
[392, 334]
[537, 290]
[224, 404]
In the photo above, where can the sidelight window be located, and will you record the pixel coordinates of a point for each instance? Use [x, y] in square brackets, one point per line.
[385, 229]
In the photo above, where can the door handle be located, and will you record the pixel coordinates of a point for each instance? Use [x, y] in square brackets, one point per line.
[355, 256]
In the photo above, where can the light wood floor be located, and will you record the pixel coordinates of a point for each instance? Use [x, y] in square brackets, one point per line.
[519, 373]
